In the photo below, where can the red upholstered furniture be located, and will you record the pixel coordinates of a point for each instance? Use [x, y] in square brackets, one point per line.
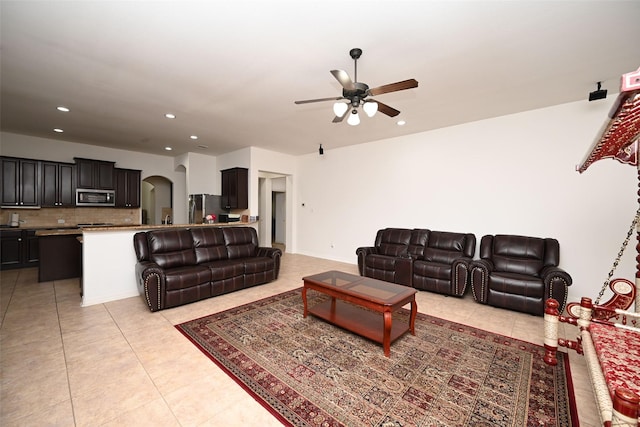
[612, 353]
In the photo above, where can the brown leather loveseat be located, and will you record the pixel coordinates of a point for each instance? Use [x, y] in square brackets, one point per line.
[179, 266]
[436, 261]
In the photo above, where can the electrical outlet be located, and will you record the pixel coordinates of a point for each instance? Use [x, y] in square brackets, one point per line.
[61, 221]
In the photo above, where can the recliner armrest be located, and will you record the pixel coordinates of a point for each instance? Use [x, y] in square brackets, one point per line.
[275, 253]
[556, 281]
[362, 253]
[549, 273]
[151, 283]
[480, 270]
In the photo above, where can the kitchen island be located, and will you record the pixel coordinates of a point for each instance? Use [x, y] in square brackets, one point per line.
[60, 254]
[109, 260]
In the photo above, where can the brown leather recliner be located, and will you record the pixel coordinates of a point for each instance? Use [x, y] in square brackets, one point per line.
[519, 273]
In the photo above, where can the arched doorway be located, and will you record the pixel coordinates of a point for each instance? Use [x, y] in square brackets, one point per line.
[156, 199]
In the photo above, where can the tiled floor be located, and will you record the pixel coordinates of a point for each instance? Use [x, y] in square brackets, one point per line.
[118, 364]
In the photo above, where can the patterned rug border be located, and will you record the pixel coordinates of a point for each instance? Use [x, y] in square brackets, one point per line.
[562, 355]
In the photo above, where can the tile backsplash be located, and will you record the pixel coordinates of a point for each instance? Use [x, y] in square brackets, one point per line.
[60, 217]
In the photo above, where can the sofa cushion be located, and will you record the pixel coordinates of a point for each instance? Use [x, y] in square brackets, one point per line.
[171, 248]
[187, 276]
[380, 262]
[517, 284]
[225, 269]
[432, 269]
[258, 265]
[208, 244]
[527, 252]
[393, 241]
[241, 242]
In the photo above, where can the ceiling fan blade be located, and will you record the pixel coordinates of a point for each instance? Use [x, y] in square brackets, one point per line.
[385, 109]
[307, 101]
[344, 79]
[393, 87]
[338, 119]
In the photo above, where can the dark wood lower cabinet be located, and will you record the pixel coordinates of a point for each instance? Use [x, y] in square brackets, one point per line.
[18, 249]
[60, 257]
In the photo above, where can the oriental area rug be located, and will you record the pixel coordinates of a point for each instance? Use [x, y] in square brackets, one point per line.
[309, 373]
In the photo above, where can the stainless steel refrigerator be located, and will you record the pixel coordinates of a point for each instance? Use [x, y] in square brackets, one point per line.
[201, 205]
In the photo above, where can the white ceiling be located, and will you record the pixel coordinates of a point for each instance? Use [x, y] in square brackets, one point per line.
[231, 70]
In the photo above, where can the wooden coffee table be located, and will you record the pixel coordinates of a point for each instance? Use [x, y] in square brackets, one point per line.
[381, 297]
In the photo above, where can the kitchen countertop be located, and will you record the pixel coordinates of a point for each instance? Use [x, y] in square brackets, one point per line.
[63, 231]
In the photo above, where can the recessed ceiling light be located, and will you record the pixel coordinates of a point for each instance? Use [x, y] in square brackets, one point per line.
[168, 148]
[401, 122]
[194, 137]
[63, 109]
[170, 116]
[58, 130]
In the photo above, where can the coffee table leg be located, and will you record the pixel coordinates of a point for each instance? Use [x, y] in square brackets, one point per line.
[412, 319]
[304, 301]
[386, 337]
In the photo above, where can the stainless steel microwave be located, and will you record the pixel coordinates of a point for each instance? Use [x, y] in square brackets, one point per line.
[95, 197]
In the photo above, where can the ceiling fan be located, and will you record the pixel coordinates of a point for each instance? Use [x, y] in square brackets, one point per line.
[356, 94]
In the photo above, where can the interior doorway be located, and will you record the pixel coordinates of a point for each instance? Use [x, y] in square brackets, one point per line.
[274, 209]
[156, 199]
[278, 218]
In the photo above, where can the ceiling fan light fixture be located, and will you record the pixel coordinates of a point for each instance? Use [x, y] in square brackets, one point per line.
[354, 119]
[370, 107]
[339, 108]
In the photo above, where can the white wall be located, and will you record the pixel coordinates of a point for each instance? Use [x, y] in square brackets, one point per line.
[513, 174]
[203, 175]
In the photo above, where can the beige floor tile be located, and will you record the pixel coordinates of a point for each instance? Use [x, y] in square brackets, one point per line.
[199, 401]
[43, 388]
[105, 401]
[58, 415]
[155, 413]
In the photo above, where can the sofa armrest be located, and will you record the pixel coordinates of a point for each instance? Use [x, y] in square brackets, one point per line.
[479, 271]
[461, 274]
[556, 281]
[274, 253]
[151, 283]
[362, 253]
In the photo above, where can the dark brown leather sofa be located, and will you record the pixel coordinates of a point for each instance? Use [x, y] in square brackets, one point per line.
[519, 273]
[179, 266]
[435, 261]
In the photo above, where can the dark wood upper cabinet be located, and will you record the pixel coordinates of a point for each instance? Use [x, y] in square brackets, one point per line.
[58, 184]
[235, 188]
[94, 174]
[20, 182]
[127, 188]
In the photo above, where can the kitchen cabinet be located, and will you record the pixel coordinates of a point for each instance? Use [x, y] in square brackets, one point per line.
[94, 174]
[58, 184]
[18, 249]
[20, 182]
[127, 188]
[235, 188]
